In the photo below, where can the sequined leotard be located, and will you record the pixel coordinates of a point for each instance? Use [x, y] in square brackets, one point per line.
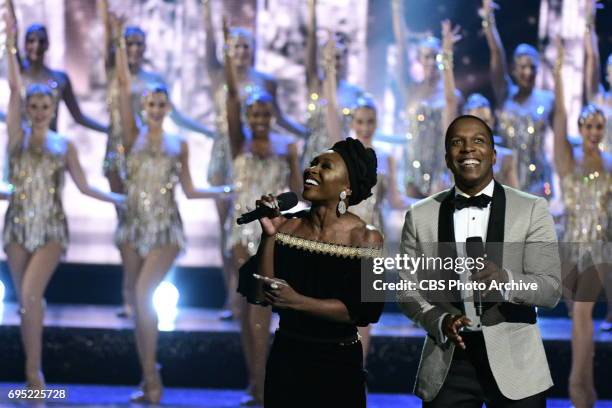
[586, 198]
[220, 165]
[152, 218]
[35, 215]
[523, 129]
[255, 176]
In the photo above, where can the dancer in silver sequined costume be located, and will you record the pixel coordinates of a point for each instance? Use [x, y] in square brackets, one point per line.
[263, 163]
[150, 236]
[35, 230]
[524, 111]
[424, 169]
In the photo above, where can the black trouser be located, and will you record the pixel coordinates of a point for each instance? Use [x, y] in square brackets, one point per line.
[470, 382]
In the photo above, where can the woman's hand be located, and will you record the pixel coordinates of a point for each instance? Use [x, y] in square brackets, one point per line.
[270, 224]
[450, 36]
[282, 296]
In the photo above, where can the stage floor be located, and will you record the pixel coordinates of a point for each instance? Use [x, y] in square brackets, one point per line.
[197, 319]
[117, 396]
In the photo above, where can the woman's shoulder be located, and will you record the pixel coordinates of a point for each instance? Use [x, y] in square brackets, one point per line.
[362, 234]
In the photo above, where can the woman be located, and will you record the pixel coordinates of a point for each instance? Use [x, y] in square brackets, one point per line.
[311, 265]
[363, 125]
[476, 105]
[141, 79]
[345, 93]
[262, 162]
[596, 93]
[586, 183]
[35, 228]
[150, 235]
[424, 170]
[249, 81]
[34, 70]
[525, 112]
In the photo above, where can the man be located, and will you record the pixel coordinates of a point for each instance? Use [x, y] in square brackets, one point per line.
[497, 357]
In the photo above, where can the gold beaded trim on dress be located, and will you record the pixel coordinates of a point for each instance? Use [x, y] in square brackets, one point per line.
[326, 248]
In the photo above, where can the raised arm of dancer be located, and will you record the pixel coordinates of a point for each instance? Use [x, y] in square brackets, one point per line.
[400, 34]
[187, 182]
[104, 10]
[334, 129]
[213, 65]
[13, 117]
[78, 176]
[128, 121]
[564, 160]
[592, 85]
[75, 109]
[500, 79]
[396, 199]
[313, 81]
[234, 120]
[10, 9]
[450, 36]
[295, 172]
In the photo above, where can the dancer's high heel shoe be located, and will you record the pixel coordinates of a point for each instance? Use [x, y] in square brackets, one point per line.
[150, 389]
[35, 380]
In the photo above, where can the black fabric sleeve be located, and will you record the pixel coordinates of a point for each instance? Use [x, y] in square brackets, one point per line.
[361, 312]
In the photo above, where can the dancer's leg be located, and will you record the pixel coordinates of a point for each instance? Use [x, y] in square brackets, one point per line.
[17, 258]
[155, 267]
[40, 268]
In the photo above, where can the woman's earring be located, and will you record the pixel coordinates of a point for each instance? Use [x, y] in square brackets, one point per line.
[341, 204]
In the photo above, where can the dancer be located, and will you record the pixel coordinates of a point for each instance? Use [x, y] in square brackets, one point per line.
[477, 105]
[150, 235]
[596, 93]
[35, 230]
[525, 112]
[363, 124]
[586, 183]
[314, 283]
[241, 49]
[33, 70]
[141, 79]
[346, 94]
[424, 169]
[262, 162]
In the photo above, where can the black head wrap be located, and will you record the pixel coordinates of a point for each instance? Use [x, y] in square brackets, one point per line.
[361, 164]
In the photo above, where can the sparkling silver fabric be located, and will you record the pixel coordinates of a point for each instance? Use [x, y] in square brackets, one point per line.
[35, 215]
[318, 140]
[586, 198]
[523, 128]
[424, 164]
[152, 218]
[220, 164]
[606, 144]
[253, 177]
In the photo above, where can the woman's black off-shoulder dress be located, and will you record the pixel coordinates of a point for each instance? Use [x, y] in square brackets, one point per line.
[315, 362]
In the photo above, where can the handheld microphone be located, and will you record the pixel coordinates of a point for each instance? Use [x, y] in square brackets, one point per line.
[474, 247]
[286, 201]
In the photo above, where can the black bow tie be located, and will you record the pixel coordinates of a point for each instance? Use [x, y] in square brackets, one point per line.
[481, 201]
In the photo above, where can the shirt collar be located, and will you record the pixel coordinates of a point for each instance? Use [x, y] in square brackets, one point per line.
[488, 190]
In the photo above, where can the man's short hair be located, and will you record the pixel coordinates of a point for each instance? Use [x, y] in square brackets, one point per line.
[457, 119]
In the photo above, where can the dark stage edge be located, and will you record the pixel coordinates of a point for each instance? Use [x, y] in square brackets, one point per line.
[90, 345]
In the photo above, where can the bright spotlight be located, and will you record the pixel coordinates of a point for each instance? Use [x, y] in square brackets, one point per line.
[165, 300]
[2, 291]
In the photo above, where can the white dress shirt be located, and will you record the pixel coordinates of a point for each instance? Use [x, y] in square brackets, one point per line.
[471, 222]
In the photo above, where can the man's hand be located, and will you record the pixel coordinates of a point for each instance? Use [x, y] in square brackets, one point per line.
[451, 326]
[491, 272]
